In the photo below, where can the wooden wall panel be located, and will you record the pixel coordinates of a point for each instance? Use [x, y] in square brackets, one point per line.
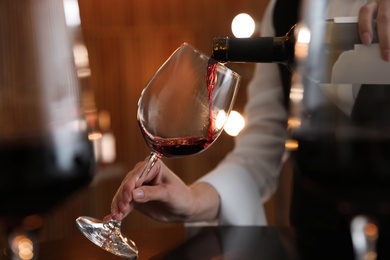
[128, 40]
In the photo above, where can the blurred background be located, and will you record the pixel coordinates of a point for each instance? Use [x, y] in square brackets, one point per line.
[118, 46]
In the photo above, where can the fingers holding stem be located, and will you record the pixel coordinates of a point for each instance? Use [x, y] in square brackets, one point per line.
[123, 202]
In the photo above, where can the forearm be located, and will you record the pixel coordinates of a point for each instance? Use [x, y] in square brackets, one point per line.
[240, 199]
[205, 203]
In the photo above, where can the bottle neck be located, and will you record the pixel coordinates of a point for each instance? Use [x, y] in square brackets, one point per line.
[260, 49]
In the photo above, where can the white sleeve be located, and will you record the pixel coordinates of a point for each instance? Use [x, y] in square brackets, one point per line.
[249, 174]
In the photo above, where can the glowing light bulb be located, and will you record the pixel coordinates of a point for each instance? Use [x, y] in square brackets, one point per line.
[243, 26]
[221, 119]
[234, 124]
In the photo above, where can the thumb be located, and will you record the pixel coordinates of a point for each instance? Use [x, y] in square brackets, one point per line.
[149, 193]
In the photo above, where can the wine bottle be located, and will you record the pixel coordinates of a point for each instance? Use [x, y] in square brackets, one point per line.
[257, 49]
[338, 35]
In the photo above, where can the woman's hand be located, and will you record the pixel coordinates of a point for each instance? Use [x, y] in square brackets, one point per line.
[163, 196]
[378, 10]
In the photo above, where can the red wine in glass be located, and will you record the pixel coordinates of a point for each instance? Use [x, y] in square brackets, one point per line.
[177, 147]
[184, 146]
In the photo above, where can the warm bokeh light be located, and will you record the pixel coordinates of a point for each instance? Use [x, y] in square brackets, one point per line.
[81, 60]
[293, 122]
[234, 124]
[364, 234]
[302, 44]
[243, 26]
[107, 142]
[371, 230]
[80, 53]
[94, 135]
[108, 153]
[303, 35]
[221, 119]
[72, 13]
[291, 145]
[296, 92]
[23, 247]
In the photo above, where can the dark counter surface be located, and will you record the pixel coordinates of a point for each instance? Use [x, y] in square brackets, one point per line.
[269, 242]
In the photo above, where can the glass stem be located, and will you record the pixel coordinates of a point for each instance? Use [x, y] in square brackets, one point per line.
[149, 165]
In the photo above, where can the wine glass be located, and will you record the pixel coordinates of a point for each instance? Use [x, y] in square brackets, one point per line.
[181, 111]
[340, 96]
[45, 154]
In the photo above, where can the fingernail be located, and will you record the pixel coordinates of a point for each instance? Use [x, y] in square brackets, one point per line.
[366, 38]
[386, 55]
[138, 194]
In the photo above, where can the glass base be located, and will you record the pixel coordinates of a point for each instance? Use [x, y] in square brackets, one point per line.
[107, 236]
